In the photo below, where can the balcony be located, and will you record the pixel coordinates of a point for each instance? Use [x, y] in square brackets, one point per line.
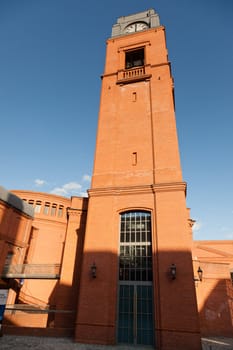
[132, 75]
[32, 271]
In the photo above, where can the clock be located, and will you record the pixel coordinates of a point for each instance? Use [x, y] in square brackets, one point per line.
[136, 27]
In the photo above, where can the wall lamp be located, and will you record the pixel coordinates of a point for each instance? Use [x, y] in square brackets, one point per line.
[93, 270]
[173, 271]
[200, 273]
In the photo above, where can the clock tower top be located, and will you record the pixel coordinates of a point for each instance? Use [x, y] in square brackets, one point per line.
[135, 23]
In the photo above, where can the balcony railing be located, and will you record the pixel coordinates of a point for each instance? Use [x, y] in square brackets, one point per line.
[134, 74]
[32, 271]
[33, 309]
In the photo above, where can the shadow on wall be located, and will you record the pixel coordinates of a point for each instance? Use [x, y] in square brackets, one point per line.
[67, 295]
[110, 303]
[97, 306]
[216, 313]
[60, 310]
[33, 319]
[97, 300]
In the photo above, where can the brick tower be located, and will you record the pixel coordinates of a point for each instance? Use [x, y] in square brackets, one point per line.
[137, 280]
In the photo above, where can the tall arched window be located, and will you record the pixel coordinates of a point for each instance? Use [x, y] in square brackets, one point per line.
[135, 247]
[135, 313]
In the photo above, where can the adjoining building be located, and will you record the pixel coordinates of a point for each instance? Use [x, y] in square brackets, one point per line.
[16, 218]
[214, 286]
[15, 226]
[121, 267]
[46, 275]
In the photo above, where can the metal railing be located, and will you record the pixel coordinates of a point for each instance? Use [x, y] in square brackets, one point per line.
[34, 309]
[32, 271]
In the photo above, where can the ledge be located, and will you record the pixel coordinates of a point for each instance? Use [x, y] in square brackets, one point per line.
[153, 188]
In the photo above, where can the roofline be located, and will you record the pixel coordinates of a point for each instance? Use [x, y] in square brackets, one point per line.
[16, 202]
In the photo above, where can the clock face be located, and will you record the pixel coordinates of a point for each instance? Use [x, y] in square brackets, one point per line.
[136, 27]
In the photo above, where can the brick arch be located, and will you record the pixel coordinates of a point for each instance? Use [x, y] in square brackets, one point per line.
[128, 209]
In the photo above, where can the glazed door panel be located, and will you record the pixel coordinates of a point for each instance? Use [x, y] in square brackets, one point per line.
[135, 315]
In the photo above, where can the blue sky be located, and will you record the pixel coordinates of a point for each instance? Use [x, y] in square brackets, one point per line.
[51, 58]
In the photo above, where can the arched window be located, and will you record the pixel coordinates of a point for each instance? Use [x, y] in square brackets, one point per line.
[135, 246]
[135, 298]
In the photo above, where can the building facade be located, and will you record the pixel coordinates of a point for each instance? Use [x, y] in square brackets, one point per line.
[140, 190]
[121, 267]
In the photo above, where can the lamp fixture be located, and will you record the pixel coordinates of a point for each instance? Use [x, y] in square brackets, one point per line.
[93, 270]
[173, 271]
[200, 273]
[199, 276]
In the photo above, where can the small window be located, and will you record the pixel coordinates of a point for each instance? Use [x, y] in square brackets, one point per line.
[53, 210]
[60, 211]
[38, 207]
[134, 58]
[31, 202]
[134, 158]
[46, 208]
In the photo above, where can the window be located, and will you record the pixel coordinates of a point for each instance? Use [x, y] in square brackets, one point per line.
[60, 211]
[134, 58]
[135, 296]
[135, 247]
[53, 209]
[134, 158]
[38, 207]
[46, 208]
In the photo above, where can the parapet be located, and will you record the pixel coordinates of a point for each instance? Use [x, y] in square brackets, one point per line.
[16, 202]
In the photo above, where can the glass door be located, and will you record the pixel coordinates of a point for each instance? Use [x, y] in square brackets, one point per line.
[135, 317]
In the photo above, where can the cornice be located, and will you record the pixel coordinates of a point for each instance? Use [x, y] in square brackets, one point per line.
[214, 242]
[215, 251]
[76, 212]
[134, 45]
[126, 190]
[42, 196]
[148, 68]
[133, 35]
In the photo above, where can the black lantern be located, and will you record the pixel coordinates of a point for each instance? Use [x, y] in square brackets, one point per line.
[200, 273]
[173, 271]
